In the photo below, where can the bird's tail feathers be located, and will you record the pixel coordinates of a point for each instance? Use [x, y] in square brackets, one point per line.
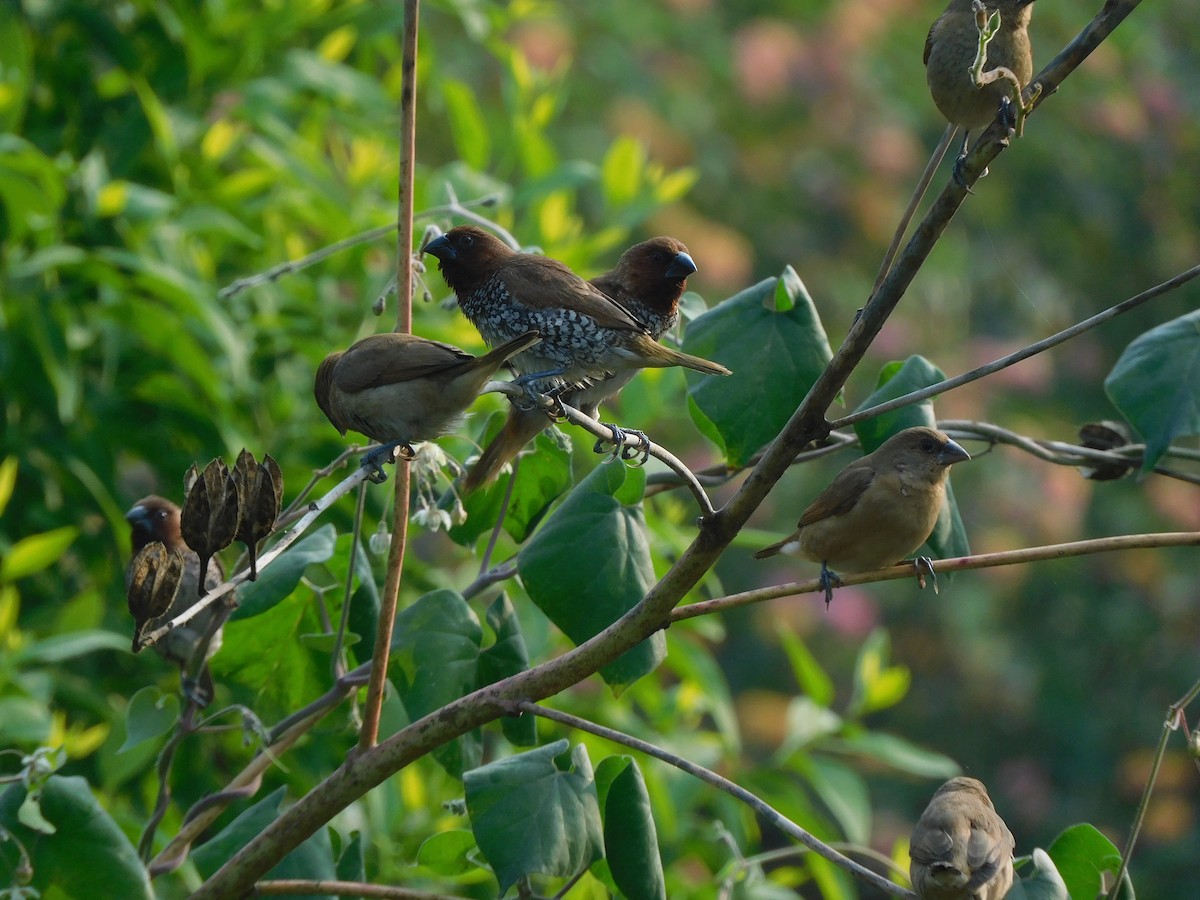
[520, 427]
[659, 356]
[497, 356]
[778, 547]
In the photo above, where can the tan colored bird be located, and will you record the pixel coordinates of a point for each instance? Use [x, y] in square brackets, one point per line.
[155, 518]
[399, 388]
[950, 51]
[878, 509]
[961, 849]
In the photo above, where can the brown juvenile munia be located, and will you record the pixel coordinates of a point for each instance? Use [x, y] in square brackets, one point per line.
[155, 518]
[586, 335]
[961, 849]
[647, 280]
[399, 388]
[878, 509]
[950, 51]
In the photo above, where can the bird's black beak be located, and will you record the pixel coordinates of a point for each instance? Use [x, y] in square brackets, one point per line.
[952, 453]
[681, 266]
[440, 247]
[138, 517]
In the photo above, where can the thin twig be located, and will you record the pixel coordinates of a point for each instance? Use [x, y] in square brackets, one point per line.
[486, 579]
[337, 661]
[373, 709]
[760, 806]
[286, 887]
[955, 564]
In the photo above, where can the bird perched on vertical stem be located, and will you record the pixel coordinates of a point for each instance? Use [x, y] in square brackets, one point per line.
[398, 388]
[647, 280]
[961, 849]
[155, 518]
[586, 335]
[950, 51]
[878, 509]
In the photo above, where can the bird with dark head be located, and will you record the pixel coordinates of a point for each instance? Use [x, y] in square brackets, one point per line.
[961, 849]
[398, 388]
[155, 518]
[647, 280]
[950, 51]
[586, 335]
[878, 509]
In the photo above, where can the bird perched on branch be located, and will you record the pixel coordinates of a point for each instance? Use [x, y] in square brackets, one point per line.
[961, 849]
[950, 51]
[648, 280]
[878, 509]
[398, 388]
[586, 335]
[155, 518]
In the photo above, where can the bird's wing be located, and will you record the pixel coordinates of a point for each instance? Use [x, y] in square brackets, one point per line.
[929, 41]
[931, 844]
[541, 283]
[391, 357]
[841, 496]
[985, 854]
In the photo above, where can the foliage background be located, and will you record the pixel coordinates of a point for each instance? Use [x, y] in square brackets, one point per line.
[153, 153]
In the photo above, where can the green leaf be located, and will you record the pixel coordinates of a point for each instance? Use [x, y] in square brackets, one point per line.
[279, 579]
[8, 481]
[62, 648]
[446, 853]
[949, 537]
[776, 320]
[1044, 884]
[312, 860]
[434, 661]
[150, 714]
[88, 854]
[807, 722]
[845, 793]
[876, 684]
[1082, 855]
[528, 815]
[621, 171]
[630, 838]
[899, 754]
[364, 602]
[594, 525]
[351, 863]
[1156, 384]
[468, 127]
[812, 679]
[36, 552]
[507, 656]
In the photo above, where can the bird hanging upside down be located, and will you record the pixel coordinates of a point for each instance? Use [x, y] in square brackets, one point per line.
[878, 509]
[399, 388]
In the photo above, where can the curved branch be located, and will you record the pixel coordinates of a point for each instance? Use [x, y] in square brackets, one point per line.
[756, 803]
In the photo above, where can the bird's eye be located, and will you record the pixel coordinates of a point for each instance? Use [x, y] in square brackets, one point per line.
[660, 256]
[466, 240]
[162, 513]
[928, 445]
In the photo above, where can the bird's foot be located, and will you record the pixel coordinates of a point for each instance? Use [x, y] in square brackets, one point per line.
[829, 580]
[618, 442]
[924, 565]
[195, 692]
[373, 460]
[535, 391]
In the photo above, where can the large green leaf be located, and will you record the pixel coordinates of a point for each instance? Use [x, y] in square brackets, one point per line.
[844, 792]
[1082, 855]
[630, 837]
[771, 338]
[1156, 384]
[949, 537]
[434, 661]
[898, 753]
[87, 856]
[34, 553]
[150, 714]
[507, 656]
[280, 578]
[312, 860]
[529, 815]
[590, 564]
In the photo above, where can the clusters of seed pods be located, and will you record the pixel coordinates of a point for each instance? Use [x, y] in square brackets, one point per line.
[151, 583]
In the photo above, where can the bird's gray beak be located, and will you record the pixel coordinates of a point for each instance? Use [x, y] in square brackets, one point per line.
[441, 248]
[138, 515]
[952, 453]
[681, 266]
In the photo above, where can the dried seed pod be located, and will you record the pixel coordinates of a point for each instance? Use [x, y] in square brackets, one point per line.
[1106, 435]
[209, 519]
[260, 489]
[151, 584]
